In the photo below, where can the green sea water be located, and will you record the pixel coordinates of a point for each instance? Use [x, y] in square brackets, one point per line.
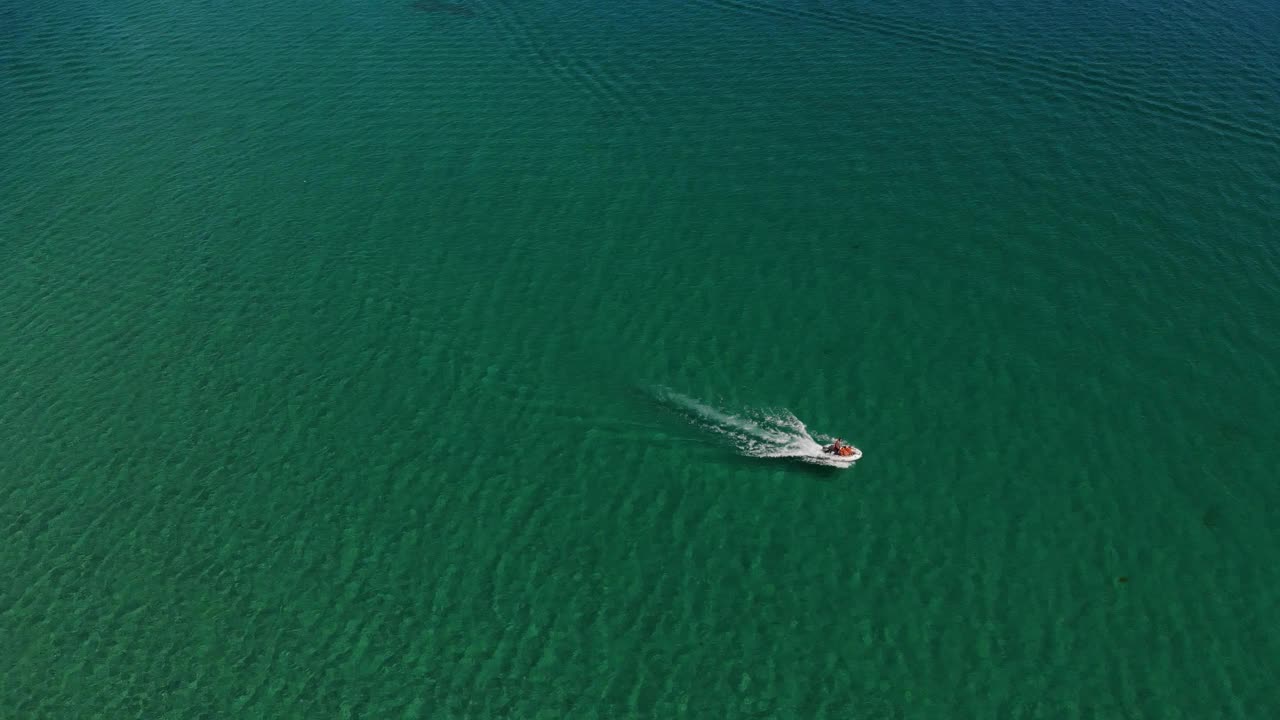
[371, 359]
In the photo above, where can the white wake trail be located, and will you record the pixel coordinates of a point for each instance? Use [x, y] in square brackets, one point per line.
[758, 433]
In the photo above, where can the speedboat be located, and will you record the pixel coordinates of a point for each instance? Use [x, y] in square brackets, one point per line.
[843, 451]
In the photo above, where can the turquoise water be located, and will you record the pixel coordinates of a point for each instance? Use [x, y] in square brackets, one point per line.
[390, 360]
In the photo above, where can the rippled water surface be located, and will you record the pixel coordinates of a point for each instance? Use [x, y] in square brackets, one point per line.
[440, 359]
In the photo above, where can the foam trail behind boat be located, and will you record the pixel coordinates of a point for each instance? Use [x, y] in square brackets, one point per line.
[755, 433]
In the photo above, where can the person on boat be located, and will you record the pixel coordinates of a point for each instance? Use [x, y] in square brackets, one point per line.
[839, 447]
